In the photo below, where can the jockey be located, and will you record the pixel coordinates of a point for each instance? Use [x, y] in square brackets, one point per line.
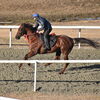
[44, 25]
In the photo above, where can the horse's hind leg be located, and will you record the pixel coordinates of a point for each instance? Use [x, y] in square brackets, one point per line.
[28, 55]
[58, 54]
[57, 57]
[65, 58]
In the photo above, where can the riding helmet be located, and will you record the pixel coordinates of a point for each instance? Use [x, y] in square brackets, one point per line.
[35, 15]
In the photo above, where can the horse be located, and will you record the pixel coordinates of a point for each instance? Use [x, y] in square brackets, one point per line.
[63, 45]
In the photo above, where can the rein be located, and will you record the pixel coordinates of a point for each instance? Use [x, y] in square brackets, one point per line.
[26, 36]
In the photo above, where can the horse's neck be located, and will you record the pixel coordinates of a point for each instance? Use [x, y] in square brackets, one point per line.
[32, 36]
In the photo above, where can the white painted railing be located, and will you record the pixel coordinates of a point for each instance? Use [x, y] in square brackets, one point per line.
[6, 98]
[47, 61]
[57, 27]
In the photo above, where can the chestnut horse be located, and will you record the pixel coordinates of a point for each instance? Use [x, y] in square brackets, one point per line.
[63, 45]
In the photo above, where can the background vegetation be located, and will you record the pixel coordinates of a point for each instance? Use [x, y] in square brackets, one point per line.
[54, 10]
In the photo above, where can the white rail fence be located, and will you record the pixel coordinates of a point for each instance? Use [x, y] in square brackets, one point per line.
[47, 61]
[35, 62]
[10, 27]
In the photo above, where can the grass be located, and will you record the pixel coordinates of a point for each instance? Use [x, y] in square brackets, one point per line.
[55, 10]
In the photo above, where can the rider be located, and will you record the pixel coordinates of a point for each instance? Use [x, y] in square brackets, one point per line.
[44, 25]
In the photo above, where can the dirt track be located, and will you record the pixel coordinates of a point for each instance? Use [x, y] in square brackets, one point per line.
[80, 81]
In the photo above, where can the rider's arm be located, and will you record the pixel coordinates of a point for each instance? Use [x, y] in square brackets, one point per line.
[41, 25]
[36, 25]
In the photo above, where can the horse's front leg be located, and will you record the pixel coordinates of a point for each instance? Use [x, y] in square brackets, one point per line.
[57, 57]
[63, 70]
[28, 55]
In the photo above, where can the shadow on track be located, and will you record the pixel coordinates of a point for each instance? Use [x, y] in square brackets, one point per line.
[68, 81]
[97, 66]
[90, 67]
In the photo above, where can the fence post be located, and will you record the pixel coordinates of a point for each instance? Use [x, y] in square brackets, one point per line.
[79, 35]
[35, 76]
[10, 37]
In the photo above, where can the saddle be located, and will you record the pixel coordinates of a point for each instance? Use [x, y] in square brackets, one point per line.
[53, 39]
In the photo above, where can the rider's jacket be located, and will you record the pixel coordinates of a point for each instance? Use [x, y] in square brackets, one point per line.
[43, 23]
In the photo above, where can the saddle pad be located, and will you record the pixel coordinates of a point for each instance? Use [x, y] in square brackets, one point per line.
[53, 39]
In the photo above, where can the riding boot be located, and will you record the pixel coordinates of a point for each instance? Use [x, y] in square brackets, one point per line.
[47, 45]
[46, 41]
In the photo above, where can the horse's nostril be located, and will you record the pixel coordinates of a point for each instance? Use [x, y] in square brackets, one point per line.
[17, 37]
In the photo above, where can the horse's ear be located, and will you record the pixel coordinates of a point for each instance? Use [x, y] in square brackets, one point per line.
[23, 24]
[35, 29]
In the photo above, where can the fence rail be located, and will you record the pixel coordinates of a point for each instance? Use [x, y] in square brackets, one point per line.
[10, 27]
[47, 61]
[58, 27]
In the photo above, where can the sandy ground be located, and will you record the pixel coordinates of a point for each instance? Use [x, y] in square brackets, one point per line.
[39, 96]
[80, 81]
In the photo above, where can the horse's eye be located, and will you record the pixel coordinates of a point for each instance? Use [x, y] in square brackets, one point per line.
[21, 29]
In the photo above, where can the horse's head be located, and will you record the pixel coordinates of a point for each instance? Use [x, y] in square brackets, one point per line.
[23, 30]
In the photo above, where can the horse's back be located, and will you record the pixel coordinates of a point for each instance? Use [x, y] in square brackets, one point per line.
[52, 39]
[65, 41]
[65, 37]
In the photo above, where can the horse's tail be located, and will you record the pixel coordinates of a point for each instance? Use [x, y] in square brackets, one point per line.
[87, 41]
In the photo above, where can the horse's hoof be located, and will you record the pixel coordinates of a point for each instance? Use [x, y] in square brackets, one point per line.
[47, 64]
[61, 72]
[19, 67]
[29, 64]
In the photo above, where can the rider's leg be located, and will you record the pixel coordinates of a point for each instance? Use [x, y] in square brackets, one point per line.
[47, 38]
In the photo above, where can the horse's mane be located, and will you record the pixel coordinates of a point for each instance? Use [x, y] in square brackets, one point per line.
[29, 26]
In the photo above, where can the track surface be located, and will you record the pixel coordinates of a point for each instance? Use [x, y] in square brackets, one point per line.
[78, 78]
[79, 82]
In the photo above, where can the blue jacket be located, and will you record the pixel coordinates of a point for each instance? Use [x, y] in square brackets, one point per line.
[45, 24]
